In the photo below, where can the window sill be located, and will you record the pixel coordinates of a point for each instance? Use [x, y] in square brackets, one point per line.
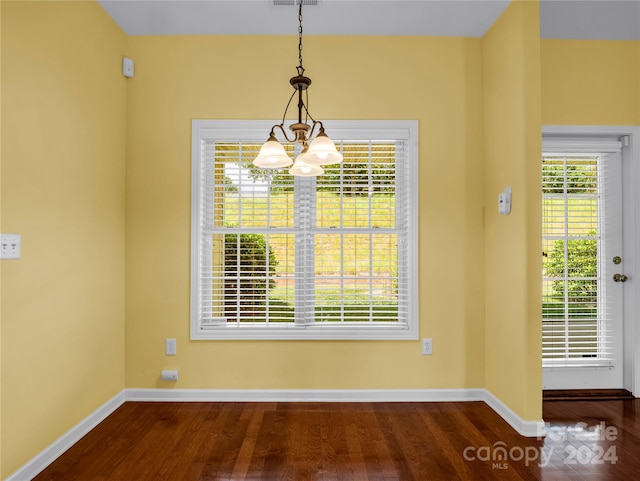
[582, 364]
[382, 332]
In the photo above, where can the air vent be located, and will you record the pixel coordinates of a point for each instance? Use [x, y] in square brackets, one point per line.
[290, 3]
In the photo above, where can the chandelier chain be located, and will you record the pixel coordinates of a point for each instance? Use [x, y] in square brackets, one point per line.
[315, 152]
[300, 68]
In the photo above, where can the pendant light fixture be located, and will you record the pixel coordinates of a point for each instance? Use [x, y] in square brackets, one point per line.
[315, 153]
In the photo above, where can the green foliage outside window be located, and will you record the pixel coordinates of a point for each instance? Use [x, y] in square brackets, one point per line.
[580, 178]
[251, 265]
[582, 255]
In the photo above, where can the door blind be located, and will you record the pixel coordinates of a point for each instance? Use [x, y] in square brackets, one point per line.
[576, 326]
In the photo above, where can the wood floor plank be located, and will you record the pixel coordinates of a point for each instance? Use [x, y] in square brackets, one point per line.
[255, 413]
[353, 441]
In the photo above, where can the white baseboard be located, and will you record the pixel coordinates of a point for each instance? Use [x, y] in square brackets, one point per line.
[64, 442]
[524, 428]
[529, 429]
[58, 447]
[305, 395]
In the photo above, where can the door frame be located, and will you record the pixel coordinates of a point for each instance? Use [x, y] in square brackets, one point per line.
[630, 237]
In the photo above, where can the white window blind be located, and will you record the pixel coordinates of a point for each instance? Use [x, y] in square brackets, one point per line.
[577, 316]
[274, 256]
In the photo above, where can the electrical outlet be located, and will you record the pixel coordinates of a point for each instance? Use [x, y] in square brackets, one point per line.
[170, 347]
[9, 246]
[427, 347]
[169, 375]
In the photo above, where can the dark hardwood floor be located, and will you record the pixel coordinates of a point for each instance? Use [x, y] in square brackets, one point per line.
[587, 440]
[585, 394]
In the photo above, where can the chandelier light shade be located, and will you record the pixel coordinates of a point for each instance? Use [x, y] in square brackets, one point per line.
[303, 168]
[272, 155]
[322, 150]
[315, 152]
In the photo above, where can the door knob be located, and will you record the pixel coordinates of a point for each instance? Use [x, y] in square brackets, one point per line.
[620, 278]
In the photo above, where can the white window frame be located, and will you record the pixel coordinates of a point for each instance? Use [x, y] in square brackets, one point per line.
[247, 130]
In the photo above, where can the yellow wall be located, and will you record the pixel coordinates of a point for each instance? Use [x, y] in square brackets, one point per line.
[0, 262]
[63, 189]
[511, 83]
[590, 82]
[434, 80]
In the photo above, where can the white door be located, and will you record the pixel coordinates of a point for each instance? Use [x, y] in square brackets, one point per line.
[582, 264]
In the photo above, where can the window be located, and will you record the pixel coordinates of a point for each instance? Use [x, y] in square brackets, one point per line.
[280, 257]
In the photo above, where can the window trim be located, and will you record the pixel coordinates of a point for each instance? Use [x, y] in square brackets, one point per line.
[242, 130]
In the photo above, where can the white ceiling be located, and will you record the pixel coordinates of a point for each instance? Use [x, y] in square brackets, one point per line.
[579, 19]
[590, 19]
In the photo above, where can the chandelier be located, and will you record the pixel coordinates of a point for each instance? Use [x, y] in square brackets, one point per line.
[315, 153]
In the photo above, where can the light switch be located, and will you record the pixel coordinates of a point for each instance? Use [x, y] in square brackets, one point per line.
[9, 246]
